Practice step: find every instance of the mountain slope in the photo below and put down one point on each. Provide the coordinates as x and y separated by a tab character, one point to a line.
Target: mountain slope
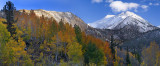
125	19
144	40
68	17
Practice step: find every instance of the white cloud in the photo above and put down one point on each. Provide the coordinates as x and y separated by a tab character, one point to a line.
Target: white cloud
97	1
119	6
155	4
144	7
109	1
150	4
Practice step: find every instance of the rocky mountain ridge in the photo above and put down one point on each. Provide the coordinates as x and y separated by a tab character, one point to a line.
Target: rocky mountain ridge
67	17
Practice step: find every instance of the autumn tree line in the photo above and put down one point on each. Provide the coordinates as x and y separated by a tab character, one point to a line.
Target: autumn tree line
28	40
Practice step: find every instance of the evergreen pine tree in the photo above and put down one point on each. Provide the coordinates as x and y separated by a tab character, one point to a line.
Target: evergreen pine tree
78	34
112	46
9	12
93	54
128	62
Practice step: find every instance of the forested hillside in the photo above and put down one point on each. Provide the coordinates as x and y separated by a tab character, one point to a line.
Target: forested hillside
29	40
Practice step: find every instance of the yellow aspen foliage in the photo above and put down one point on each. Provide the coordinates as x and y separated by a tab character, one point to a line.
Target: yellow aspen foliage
158	59
4	34
143	64
4	38
118	60
92	64
2	20
28	31
75	52
105	62
14	53
150	54
62	63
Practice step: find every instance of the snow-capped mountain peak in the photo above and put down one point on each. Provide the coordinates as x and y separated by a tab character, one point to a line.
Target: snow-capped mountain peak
123	20
130	14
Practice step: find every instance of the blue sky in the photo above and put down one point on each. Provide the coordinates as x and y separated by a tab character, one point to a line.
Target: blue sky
92	10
